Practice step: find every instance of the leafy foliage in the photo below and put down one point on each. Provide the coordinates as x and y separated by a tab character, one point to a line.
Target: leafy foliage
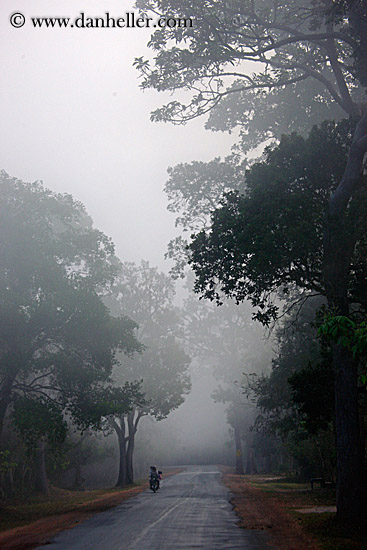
146	295
37	419
57	339
313	394
288	46
269	237
194	190
349	333
296	399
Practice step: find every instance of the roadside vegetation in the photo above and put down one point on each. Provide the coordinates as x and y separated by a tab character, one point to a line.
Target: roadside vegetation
61	501
288	227
81	353
293	515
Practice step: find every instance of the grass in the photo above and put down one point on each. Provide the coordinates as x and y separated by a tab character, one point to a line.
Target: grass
321	526
294	493
59	502
281	486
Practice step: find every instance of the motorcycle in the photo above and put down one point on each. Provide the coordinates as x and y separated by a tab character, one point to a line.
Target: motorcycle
154	481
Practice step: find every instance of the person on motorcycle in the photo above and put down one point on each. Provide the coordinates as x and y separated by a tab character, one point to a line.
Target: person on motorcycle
154	478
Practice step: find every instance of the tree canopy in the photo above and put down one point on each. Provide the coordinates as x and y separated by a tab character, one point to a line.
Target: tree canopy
146	295
285	46
58	342
268	237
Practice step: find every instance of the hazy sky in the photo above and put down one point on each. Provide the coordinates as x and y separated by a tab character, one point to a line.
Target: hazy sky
72	115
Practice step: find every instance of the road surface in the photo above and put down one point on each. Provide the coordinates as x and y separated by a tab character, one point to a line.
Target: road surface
191	510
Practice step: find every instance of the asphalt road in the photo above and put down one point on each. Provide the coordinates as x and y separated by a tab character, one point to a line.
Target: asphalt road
191	510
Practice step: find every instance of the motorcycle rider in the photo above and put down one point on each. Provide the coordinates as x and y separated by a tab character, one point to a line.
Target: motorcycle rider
154	476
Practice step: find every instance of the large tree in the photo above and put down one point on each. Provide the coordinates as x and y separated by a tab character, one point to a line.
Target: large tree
270	238
146	295
58	342
292	43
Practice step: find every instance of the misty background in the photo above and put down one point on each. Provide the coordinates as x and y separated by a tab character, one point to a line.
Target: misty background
73	116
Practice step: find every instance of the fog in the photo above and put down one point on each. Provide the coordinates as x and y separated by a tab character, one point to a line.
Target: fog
199	429
73	116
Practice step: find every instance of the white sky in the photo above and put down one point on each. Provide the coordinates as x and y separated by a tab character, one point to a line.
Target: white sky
72	115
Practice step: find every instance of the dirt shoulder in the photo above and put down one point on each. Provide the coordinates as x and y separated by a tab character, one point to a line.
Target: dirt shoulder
257	510
71	508
295	517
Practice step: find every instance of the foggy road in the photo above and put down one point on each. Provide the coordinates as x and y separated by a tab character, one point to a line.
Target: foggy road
191	510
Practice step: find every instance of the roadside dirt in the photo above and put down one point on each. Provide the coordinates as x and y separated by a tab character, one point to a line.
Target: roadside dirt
41	531
257	510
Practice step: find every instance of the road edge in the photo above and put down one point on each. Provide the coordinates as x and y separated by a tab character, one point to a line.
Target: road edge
39	532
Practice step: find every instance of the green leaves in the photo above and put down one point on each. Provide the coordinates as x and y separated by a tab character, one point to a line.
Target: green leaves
36	419
342	330
5	461
58	341
270	236
292	56
89	408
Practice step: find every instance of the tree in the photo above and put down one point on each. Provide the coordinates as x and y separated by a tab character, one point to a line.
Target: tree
57	339
288	45
40	424
295	400
83	450
270	238
269	235
303	75
146	295
293	43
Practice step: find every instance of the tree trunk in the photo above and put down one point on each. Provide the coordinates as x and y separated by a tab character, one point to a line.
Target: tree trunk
351	501
323	471
250	464
4	403
339	243
268	463
129	459
130	447
5	399
350	491
79	481
40	476
238	444
132	422
350	464
120	431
